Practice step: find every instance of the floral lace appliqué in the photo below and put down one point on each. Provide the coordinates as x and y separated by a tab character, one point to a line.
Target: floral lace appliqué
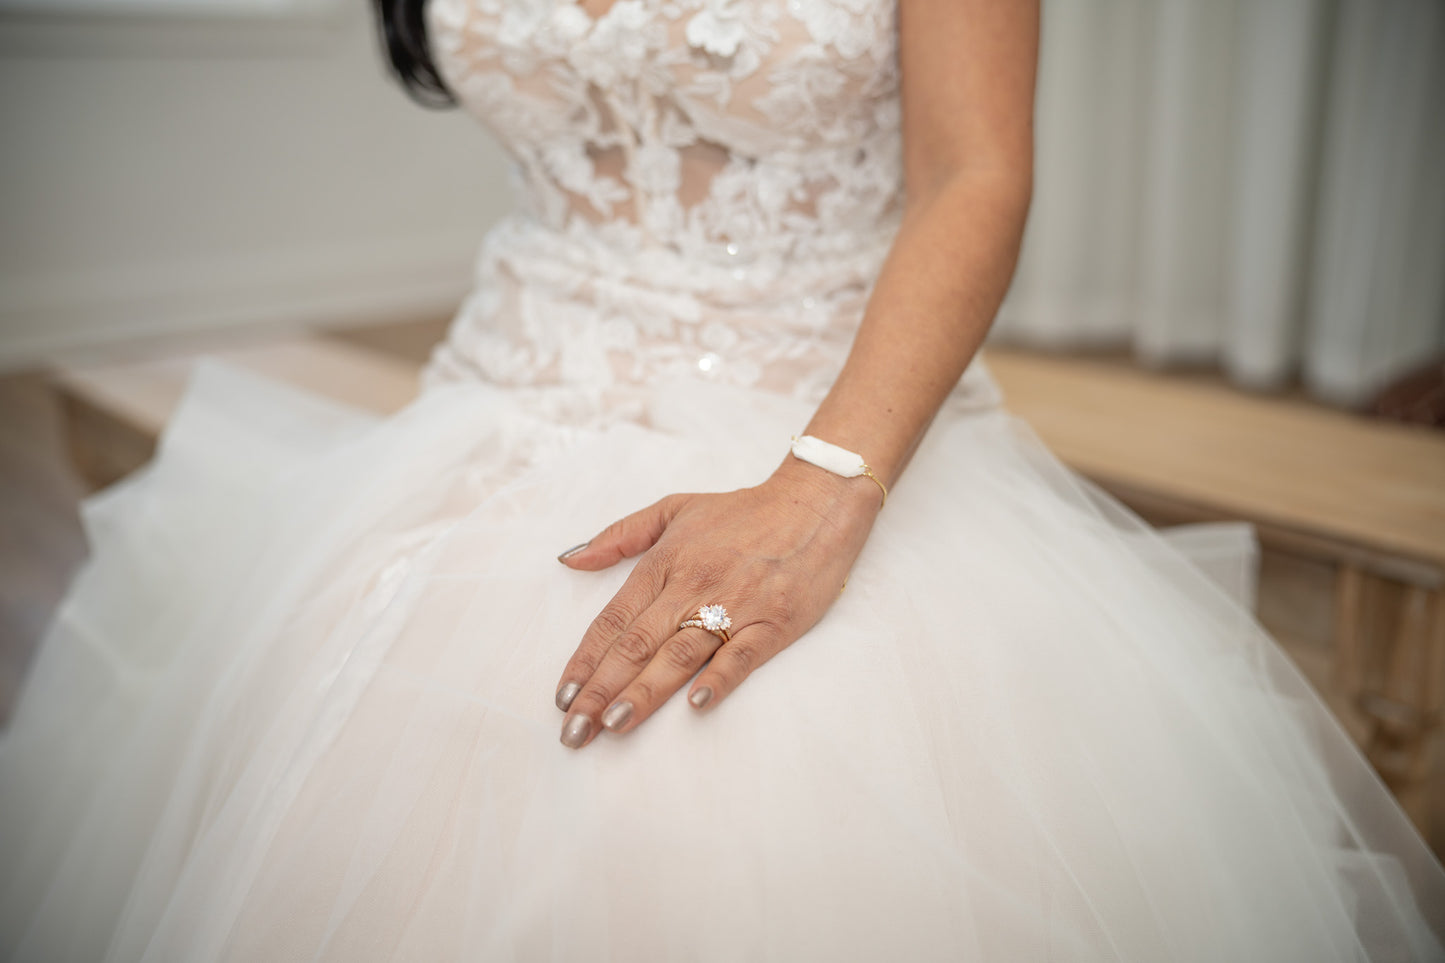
705	187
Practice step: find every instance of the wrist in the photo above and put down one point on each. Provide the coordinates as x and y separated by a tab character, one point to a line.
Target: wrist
830	494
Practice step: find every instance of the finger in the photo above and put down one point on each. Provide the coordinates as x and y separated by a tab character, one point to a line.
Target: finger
675	662
637	594
625	537
749	648
623	662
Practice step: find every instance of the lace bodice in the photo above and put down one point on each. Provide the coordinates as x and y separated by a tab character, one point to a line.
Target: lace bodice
705	187
721	130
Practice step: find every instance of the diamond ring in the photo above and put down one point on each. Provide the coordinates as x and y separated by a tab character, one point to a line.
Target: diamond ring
711	618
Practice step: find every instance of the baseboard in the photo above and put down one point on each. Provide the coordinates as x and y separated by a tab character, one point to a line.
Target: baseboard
47	319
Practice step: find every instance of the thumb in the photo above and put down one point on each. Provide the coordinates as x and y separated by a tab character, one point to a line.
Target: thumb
625	537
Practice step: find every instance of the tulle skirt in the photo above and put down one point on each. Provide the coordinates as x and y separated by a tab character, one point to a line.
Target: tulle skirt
299	705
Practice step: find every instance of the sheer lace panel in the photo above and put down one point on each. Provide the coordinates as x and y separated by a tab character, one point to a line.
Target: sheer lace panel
703	184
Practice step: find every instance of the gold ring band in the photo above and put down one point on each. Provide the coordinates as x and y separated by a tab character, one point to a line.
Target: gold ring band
697	624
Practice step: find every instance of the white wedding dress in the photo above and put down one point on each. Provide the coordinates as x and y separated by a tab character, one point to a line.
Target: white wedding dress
299	704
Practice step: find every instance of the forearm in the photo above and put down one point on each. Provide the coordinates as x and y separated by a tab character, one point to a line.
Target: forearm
935	297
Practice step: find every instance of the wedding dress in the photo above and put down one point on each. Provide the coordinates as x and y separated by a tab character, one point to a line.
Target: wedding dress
298	705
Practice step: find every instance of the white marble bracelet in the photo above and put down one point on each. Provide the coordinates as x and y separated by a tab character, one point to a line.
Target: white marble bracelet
839	461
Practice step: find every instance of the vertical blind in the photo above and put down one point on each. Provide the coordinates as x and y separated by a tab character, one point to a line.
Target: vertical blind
1257	183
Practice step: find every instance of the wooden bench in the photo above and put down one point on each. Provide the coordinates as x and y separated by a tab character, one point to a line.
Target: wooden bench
1366	497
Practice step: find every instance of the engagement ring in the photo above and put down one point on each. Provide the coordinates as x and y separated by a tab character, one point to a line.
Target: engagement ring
711	618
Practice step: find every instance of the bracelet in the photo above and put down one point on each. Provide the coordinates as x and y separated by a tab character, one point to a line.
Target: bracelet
839	461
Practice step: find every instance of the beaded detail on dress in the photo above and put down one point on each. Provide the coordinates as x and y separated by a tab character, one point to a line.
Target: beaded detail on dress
705	186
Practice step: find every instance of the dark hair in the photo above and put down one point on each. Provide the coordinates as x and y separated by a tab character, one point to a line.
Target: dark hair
403	30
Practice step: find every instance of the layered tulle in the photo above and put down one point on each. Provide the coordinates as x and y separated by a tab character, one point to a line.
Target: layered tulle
299	706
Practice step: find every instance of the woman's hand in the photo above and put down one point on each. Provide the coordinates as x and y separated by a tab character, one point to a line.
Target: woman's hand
774	556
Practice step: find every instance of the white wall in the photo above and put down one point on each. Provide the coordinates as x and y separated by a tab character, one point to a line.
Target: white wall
161	176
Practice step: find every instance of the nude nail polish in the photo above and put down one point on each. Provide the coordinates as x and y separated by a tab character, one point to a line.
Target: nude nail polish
566	694
576	731
617	715
701	697
572	551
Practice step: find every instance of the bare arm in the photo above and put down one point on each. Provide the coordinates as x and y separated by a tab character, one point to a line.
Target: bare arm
783	548
968	85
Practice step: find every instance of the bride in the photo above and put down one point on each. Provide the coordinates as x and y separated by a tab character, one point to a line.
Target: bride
300	703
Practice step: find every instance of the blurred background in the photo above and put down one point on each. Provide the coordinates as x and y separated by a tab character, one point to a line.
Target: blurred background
193	165
1238	236
1257	184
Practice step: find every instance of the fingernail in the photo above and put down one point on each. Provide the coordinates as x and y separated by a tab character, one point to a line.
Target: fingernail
576	731
616	717
566	694
700	697
572	551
